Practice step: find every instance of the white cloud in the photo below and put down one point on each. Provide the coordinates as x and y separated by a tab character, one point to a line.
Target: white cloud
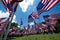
25	4
6	14
31	23
14	19
3	14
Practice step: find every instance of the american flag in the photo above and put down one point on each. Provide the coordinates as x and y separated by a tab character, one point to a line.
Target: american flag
21	22
51	4
41	4
3	20
56	15
46	5
11	5
32	17
7	6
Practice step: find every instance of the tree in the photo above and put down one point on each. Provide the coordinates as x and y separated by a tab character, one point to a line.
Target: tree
14	25
58	26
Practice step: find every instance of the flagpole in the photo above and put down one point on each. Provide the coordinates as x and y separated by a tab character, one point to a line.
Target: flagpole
4	30
8	27
1	37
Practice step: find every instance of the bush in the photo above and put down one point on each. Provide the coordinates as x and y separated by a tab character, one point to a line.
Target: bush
58	26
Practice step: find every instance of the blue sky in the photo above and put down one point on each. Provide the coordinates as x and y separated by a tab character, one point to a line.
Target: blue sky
25	8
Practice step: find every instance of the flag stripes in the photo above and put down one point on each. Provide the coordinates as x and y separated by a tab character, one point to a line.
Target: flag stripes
46	5
43	1
51	4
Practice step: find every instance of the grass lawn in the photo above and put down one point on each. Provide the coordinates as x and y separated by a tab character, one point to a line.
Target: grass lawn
38	37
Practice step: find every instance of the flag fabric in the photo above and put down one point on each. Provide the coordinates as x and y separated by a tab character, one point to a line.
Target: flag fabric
46	17
7	6
32	16
21	22
59	0
46	5
56	15
50	16
51	4
30	19
3	23
11	5
42	4
3	20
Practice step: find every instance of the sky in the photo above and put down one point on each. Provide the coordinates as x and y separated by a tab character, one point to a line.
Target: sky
25	8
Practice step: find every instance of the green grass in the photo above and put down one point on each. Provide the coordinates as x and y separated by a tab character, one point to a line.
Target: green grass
38	37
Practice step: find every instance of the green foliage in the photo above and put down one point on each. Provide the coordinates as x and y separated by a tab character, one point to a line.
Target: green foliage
58	26
13	24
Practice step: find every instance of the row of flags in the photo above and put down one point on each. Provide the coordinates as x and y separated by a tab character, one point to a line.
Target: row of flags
43	6
50	16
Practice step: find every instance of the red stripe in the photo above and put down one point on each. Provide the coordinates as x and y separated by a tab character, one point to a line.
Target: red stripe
7	1
4	3
44	1
48	4
52	6
6	7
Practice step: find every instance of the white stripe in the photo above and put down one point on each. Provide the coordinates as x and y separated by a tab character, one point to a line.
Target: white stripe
52	4
42	1
48	5
45	2
6	1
